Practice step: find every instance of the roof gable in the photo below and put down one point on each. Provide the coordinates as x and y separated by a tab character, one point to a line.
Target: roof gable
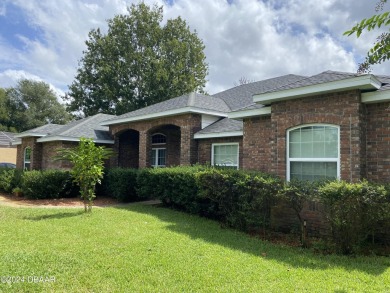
189	103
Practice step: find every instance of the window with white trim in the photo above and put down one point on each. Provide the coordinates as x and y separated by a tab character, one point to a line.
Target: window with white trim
313	152
159	152
224	155
27	158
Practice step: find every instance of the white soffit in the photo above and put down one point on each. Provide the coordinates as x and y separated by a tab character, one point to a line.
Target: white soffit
173	112
218	134
364	82
69	138
250	113
376	97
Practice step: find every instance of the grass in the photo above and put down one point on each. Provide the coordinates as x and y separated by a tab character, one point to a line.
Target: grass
150	249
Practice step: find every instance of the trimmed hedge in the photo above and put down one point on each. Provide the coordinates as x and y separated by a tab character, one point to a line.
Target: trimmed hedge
356	213
10	179
243	199
176	187
120	183
47	184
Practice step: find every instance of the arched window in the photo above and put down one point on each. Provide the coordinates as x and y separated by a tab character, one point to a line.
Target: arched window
313	152
27	158
159	138
159	151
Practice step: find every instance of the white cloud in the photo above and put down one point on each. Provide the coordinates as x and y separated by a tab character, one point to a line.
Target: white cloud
9	78
254	39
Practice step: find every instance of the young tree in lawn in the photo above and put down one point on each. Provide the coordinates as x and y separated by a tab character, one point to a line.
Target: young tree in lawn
380	52
138	62
88	165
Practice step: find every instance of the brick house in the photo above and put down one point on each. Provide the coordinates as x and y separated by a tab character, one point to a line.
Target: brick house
37	146
330	125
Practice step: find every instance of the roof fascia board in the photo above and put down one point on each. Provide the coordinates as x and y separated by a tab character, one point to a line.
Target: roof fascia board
218	134
360	82
73	139
28	134
376	97
173	112
249	113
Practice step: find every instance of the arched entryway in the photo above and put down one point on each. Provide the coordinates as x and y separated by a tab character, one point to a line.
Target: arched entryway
128	150
164	146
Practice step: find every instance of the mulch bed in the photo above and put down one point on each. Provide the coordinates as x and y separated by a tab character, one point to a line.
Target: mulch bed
66	202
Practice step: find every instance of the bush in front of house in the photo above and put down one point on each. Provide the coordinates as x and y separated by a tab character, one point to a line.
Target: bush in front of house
355	212
120	183
47	184
176	187
10	179
243	199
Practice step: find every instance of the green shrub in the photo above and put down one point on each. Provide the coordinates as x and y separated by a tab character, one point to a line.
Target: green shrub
46	184
10	179
176	187
120	183
243	199
354	211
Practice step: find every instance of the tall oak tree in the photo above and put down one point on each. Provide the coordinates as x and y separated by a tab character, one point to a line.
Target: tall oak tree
138	62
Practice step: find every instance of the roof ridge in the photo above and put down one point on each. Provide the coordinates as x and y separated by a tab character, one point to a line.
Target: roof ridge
287	84
86	119
7	135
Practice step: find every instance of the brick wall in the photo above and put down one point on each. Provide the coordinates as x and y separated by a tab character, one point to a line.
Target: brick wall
265	138
258	144
189	124
36	153
204	148
378	142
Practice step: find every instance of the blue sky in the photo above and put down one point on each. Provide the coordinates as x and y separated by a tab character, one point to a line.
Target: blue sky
44	39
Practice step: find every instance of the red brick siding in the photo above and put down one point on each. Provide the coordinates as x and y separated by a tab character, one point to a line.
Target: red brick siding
258	144
342	109
189	124
378	142
204	148
36	153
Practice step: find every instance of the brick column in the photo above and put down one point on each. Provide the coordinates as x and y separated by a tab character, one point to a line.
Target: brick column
144	149
188	146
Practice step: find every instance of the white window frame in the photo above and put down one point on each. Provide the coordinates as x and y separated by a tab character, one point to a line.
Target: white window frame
159	143
155	163
24	158
222	144
314	160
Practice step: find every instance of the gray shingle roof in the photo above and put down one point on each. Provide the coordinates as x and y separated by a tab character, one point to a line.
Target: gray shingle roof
241	96
7	138
385	80
88	127
193	100
324	77
42	130
223	125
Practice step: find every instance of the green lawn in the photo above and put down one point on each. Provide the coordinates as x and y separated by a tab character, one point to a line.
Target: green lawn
150	249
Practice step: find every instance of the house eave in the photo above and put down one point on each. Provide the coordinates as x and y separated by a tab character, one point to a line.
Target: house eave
72	139
250	113
30	134
218	134
376	97
173	112
364	82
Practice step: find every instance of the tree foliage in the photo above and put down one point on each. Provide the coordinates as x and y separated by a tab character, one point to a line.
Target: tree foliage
380	52
28	105
88	164
138	62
